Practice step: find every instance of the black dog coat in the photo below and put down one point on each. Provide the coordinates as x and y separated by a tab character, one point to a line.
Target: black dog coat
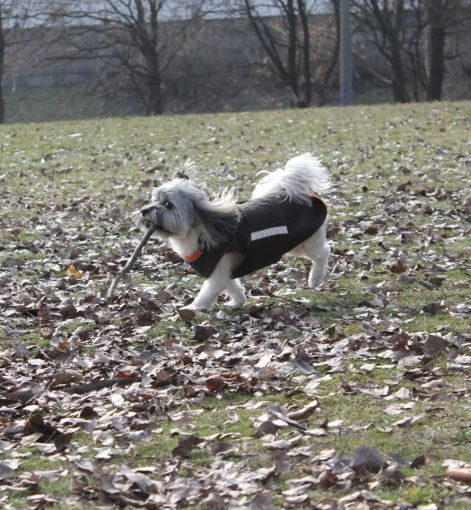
268	228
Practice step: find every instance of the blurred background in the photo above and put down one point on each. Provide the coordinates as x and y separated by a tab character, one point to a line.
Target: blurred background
79	59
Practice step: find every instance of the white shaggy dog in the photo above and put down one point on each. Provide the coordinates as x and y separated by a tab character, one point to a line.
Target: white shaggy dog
224	241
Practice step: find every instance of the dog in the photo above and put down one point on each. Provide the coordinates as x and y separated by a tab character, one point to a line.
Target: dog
223	240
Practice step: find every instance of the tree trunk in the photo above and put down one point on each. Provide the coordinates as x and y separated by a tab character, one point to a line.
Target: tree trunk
154	80
2	107
306	54
292	48
399	88
437	65
389	21
437	60
2	60
333	61
401	95
155	106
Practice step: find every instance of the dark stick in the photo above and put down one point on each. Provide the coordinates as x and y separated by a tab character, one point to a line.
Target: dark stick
81	389
129	263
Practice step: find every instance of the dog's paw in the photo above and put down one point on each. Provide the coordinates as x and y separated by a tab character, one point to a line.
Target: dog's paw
236	303
315	281
314	284
317	278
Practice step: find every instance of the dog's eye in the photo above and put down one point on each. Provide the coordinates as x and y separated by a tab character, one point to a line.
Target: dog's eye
168	205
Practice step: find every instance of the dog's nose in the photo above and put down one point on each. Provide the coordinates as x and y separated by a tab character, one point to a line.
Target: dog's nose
147	209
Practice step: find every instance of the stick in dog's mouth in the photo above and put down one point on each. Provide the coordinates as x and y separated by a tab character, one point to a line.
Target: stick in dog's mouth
130	263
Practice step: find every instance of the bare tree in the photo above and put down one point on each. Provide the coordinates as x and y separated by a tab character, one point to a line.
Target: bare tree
13	14
412	37
128	38
444	18
21	23
284	31
2	60
382	23
429	27
325	52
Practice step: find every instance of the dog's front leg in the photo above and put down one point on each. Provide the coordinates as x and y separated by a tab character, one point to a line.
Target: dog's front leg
208	293
213	286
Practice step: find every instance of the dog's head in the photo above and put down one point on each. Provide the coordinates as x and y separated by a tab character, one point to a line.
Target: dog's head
181	207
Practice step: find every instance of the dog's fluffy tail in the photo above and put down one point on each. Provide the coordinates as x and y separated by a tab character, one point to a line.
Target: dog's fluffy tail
302	176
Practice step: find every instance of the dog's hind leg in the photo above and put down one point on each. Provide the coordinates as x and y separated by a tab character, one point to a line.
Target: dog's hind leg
236	292
317	249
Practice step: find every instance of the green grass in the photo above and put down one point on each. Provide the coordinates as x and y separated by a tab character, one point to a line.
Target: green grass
75	185
34	104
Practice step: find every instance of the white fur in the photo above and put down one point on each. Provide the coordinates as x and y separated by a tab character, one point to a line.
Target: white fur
195	222
301	175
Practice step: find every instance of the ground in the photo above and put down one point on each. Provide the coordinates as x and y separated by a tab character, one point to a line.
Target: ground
355	396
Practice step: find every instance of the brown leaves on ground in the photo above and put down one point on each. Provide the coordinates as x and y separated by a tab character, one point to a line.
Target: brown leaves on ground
284	403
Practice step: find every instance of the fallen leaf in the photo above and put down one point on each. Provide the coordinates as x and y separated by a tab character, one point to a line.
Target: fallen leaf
398	267
434	344
73	273
214	384
266	427
305	412
7	469
327	479
25	392
367	458
186	314
460	474
185	445
434	308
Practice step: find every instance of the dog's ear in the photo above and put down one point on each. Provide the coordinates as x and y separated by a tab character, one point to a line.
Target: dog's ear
217	219
179	174
185	171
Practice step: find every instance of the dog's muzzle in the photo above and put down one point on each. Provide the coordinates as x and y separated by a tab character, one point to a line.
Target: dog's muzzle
149	215
148	209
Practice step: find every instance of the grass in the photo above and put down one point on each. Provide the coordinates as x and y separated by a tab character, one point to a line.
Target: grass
75	184
34	104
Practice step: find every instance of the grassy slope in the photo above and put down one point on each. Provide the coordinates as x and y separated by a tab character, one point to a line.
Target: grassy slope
109	164
61	103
